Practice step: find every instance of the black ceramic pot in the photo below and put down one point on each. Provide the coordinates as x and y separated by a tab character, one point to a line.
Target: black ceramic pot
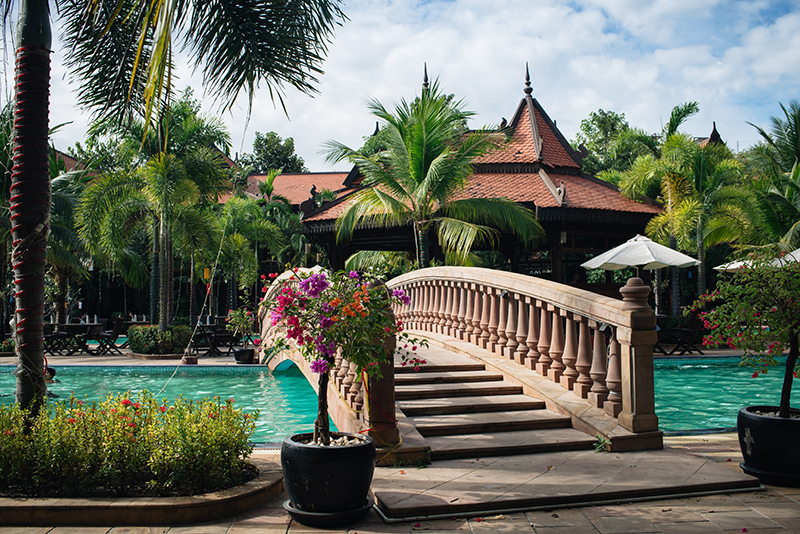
244	355
327	486
769	446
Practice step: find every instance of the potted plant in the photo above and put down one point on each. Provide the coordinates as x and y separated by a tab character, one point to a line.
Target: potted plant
327	476
241	322
757	310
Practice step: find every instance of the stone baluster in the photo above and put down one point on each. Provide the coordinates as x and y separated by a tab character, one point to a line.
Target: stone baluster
441	310
613	405
355	387
522	330
599	392
453	312
427	306
511	326
477	307
410	321
494	312
545	326
570	356
584	382
503	299
436	314
556	347
461	317
348	378
486	312
532	341
447	325
337	368
470	295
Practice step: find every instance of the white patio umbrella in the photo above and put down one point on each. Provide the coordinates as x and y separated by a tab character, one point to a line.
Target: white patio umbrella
640	252
777	262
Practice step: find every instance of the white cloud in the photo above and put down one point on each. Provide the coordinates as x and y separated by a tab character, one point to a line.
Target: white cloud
737	58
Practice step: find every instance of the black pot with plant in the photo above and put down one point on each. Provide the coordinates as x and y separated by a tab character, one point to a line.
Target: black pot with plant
756	309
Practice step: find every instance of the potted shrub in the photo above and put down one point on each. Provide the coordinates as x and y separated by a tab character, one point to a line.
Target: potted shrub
757	310
240	322
327	476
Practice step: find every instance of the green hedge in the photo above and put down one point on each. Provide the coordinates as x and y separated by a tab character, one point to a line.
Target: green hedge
125	446
148	339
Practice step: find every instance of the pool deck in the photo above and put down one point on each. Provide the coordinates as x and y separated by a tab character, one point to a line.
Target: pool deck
462	485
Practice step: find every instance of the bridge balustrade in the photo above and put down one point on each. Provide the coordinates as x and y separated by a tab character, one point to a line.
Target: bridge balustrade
598	347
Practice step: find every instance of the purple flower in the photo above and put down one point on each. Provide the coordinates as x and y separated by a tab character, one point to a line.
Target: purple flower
314	285
319	366
354	275
325	322
400	294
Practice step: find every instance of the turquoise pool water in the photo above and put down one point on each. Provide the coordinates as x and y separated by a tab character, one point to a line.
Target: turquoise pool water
286	401
707	393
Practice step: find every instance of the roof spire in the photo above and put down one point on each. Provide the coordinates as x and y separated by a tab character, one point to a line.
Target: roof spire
528	90
425	84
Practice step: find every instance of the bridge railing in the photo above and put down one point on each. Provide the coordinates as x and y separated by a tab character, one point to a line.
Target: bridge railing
598	347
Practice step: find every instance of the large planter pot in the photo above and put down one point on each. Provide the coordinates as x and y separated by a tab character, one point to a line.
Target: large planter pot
327	486
769	446
244	356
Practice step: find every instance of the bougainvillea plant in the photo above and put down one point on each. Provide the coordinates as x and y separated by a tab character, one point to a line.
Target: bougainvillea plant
756	309
324	313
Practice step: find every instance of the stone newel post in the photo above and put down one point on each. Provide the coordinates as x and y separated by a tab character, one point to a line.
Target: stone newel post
636	358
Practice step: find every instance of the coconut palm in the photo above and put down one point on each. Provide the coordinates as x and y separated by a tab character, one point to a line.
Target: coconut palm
783	142
427	162
122	53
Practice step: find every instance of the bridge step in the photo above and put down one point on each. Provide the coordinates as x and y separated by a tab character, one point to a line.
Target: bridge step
492	403
435	391
480	423
447	378
439	368
464	411
508	443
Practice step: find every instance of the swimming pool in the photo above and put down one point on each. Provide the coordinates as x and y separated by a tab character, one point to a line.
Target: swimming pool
286	401
707	393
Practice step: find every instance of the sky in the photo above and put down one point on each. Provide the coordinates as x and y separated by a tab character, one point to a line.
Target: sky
738	59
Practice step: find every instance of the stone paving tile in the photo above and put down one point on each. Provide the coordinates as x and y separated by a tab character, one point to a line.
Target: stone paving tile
670	514
715	503
25	530
738	520
566	530
205	528
624	525
296	527
265	515
706	527
79	530
138	530
567	517
258	529
455	524
610	511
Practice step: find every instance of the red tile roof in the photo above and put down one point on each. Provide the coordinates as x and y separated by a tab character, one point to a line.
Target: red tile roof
521	146
297	186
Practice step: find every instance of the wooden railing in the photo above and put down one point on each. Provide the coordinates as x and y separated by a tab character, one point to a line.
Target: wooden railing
598	347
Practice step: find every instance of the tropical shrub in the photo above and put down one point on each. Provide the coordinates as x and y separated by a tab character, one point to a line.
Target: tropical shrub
148	339
757	310
125	445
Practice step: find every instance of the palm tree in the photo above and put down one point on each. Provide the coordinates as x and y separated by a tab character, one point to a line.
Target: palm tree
783	143
700	185
428	160
122	53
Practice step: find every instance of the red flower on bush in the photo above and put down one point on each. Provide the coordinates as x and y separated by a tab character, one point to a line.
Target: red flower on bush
126	402
162	409
71	420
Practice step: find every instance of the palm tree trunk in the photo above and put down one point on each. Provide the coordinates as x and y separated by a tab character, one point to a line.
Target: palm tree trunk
60	298
423	247
163	277
701	257
30	198
673	273
154	278
192	295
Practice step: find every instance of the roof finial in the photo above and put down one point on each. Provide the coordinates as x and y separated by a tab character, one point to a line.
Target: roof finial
425	84
528	90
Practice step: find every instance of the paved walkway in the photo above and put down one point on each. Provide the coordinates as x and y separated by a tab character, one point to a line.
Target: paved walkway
770	509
